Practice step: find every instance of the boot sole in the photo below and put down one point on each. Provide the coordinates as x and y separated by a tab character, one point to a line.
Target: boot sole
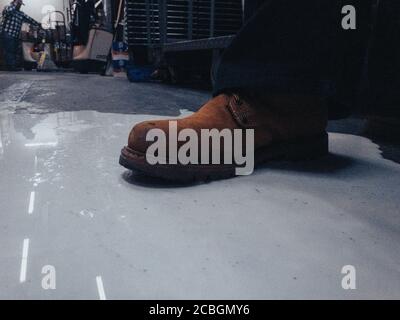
299	150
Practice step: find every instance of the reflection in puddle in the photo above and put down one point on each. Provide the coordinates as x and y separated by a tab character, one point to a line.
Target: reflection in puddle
41	131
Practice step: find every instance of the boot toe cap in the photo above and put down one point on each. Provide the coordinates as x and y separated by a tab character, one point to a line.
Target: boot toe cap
137	137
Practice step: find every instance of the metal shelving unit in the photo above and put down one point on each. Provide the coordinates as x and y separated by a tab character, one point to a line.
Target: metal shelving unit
142	22
185	37
162	22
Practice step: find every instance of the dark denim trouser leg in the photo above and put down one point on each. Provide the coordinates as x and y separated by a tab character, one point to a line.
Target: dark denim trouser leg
384	62
10	45
297	47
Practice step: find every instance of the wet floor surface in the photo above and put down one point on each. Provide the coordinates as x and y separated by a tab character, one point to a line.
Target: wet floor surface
284	232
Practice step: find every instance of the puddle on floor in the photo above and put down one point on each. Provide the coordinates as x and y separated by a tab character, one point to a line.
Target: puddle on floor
243	238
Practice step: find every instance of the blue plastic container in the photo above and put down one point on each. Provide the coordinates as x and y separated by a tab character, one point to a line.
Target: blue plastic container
139	73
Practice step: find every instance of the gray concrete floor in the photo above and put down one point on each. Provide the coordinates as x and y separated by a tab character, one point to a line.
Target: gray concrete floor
284	232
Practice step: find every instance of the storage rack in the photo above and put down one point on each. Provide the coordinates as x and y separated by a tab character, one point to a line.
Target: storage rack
162	22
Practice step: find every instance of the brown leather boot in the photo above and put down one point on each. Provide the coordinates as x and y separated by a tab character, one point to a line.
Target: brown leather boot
285	127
